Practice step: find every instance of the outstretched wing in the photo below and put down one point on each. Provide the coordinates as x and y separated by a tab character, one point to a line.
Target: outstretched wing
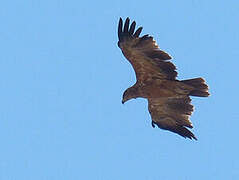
148	61
172	114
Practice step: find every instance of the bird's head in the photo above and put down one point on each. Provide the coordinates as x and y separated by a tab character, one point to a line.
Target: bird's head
130	93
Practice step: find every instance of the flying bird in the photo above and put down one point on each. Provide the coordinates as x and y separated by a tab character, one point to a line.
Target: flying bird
169	103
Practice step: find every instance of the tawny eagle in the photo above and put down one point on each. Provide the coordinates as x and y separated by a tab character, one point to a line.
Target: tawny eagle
168	98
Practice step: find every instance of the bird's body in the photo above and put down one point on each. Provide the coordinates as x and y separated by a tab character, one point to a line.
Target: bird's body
158	88
168	98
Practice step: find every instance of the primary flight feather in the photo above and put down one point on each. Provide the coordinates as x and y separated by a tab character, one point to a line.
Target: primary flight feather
168	98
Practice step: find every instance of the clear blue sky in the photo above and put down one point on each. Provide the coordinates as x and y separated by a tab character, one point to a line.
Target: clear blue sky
62	77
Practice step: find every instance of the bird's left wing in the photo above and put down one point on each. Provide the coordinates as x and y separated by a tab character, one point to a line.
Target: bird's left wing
148	61
172	114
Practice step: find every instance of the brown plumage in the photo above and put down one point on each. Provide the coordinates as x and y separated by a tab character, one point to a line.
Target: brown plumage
168	98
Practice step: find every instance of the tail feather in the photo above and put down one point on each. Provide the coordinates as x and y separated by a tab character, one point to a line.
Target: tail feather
201	88
199	93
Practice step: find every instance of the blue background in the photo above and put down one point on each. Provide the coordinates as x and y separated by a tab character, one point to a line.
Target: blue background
62	77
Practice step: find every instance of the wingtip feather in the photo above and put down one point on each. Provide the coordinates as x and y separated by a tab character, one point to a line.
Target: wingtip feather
138	31
126	25
120	25
132	28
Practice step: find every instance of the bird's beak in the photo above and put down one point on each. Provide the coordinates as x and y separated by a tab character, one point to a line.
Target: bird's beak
122	101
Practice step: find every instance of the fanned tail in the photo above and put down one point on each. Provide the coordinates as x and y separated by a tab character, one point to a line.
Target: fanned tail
201	88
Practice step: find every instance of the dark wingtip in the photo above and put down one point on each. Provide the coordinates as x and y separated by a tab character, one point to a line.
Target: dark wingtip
195	138
192	137
127	30
132	28
120	26
138	31
189	134
126	25
180	130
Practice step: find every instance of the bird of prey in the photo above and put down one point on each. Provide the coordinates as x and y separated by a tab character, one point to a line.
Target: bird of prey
169	103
